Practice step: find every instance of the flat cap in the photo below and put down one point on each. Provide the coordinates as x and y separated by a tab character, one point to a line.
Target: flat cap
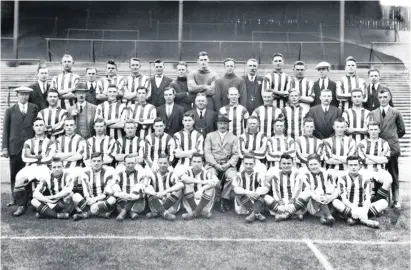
323	65
23	89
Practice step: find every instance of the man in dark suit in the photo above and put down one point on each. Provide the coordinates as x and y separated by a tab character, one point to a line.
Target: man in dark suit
204	118
253	85
171	113
84	112
392	128
91	85
372	88
324	116
17	128
324	83
39	94
158	83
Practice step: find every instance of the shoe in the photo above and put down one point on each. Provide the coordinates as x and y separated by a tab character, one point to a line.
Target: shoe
227	205
396	205
188	216
260	217
222	207
250	218
80	216
372	223
151	215
300	217
330	221
38	215
281	217
206	215
122	215
12	203
351	221
63	215
168	216
106	215
133	215
323	220
20	211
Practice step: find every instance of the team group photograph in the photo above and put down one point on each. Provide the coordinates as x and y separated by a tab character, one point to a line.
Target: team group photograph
219	144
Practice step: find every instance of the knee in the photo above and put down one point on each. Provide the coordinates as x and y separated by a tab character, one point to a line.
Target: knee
209	192
94	209
77	198
36	203
111	200
268	199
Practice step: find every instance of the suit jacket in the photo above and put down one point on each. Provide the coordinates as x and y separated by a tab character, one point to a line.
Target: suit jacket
37	97
372	102
157	93
317	92
18	128
210	118
174	123
392	128
220	152
90	110
253	89
324	121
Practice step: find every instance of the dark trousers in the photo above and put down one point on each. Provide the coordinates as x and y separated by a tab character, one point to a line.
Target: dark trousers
16	164
392	167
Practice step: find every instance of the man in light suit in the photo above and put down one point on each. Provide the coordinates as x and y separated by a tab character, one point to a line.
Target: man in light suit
372	88
204	118
324	116
171	113
324	82
158	83
39	94
392	128
17	128
221	155
84	112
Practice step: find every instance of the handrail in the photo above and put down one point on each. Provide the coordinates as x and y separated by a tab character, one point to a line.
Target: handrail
21	60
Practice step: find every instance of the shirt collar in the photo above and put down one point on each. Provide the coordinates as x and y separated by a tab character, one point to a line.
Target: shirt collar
325	107
385	108
22	105
203	110
251	78
222	134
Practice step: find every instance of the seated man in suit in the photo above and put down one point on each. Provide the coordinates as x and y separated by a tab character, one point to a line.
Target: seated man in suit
158	83
84	112
324	116
205	119
372	89
40	88
53	116
171	113
324	82
221	155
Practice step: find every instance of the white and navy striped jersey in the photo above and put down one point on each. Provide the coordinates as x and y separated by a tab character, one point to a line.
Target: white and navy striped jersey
266	114
278	145
354	190
36	146
104	82
339	146
356	119
305	88
132	84
105	145
318	182
126	181
95	182
65	80
294	117
345	86
54	184
252	143
156	145
112	111
54	119
285	186
238	115
378	148
161	182
75	143
146	112
133	145
202	175
306	145
279	82
249	182
187	141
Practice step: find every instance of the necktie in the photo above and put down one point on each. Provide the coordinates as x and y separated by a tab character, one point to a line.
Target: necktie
23	110
81	109
91	86
322	84
44	87
325	110
201	114
383	113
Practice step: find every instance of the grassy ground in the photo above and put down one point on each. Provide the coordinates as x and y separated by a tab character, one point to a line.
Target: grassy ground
223	242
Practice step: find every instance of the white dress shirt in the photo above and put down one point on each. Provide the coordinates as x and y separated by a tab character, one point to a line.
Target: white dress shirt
222	135
251	78
23	107
325	108
325	82
169	109
199	111
158	80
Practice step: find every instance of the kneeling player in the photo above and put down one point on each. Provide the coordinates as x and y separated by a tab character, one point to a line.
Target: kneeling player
59	185
355	197
163	184
286	184
319	187
247	199
199	189
95	200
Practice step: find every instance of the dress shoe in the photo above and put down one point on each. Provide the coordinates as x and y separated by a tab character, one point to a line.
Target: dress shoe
250	218
20	211
188	216
122	215
260	217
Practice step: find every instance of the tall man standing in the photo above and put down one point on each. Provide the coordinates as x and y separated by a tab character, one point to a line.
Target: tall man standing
372	88
392	128
253	86
203	80
135	81
17	128
66	82
111	78
324	82
40	88
229	80
302	85
171	113
158	83
183	98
